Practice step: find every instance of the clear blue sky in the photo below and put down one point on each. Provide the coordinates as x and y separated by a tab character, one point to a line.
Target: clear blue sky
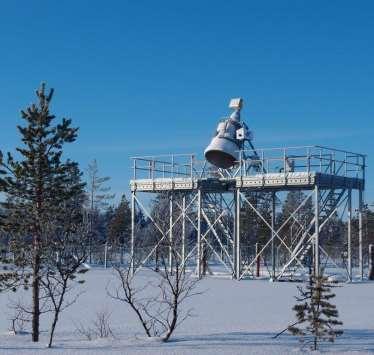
153	77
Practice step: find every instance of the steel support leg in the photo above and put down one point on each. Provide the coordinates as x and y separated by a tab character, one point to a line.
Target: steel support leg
349	236
237	260
258	260
233	245
371	262
183	253
198	259
360	230
171	232
316	232
132	232
273	197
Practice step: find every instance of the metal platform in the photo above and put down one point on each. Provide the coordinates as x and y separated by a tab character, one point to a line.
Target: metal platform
276	168
278	182
207	193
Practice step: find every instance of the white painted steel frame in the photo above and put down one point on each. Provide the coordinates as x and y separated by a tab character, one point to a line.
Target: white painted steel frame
187	177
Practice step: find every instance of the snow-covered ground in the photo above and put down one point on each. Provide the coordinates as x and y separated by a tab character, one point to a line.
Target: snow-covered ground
230	318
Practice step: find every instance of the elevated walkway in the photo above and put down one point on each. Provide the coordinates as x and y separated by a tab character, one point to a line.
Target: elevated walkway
270	169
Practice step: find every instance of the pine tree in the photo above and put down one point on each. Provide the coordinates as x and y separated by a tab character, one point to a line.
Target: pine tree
37	189
316	313
98	197
66	253
120	225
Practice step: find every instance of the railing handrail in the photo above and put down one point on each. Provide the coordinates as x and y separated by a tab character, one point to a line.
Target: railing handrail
341	151
325	157
306	147
162	156
147	157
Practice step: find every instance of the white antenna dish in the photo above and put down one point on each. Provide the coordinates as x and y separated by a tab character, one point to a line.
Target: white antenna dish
223	150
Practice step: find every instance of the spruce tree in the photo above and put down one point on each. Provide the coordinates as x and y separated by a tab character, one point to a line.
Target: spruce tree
316	317
119	227
38	187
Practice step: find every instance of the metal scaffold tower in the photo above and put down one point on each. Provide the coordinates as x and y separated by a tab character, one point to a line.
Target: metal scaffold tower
210	200
209	208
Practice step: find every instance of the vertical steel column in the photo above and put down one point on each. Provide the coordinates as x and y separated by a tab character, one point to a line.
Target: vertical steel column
237	235
233	245
316	232
105	255
171	232
349	235
371	262
360	229
132	232
183	229
273	196
198	259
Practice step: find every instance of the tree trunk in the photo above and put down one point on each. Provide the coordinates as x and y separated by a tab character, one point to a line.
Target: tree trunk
55	319
156	259
35	297
122	246
174	320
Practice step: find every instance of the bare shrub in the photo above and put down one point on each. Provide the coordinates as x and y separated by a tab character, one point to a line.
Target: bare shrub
100	327
101	324
22	313
157	304
19	319
84	331
61	275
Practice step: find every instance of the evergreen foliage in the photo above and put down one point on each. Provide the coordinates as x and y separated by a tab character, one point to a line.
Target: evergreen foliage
40	190
119	227
253	228
316	317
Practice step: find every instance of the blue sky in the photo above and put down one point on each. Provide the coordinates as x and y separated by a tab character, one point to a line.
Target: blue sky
150	77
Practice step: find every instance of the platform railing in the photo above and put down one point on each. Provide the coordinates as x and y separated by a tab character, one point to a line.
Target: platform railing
303	159
268	160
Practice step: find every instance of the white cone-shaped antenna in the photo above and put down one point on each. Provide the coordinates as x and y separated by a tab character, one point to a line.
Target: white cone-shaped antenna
223	150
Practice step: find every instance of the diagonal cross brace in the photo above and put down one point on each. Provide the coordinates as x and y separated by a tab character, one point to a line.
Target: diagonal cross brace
275	233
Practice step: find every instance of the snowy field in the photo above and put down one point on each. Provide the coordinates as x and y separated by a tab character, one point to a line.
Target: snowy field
230	318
